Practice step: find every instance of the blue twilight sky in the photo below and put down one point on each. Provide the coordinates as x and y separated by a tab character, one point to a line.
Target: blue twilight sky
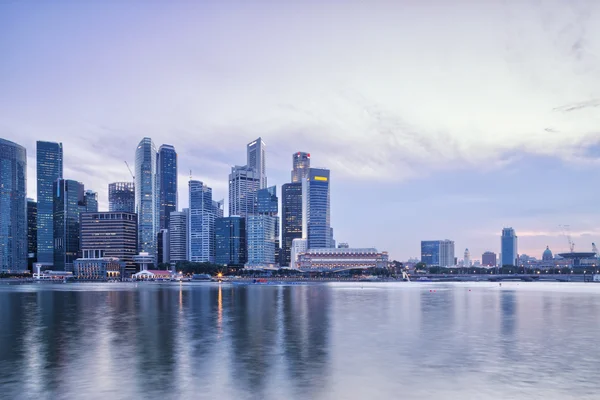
438	119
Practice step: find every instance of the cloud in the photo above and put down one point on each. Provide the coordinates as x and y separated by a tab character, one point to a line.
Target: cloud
578	106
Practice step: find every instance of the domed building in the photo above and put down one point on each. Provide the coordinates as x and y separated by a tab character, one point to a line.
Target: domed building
547	255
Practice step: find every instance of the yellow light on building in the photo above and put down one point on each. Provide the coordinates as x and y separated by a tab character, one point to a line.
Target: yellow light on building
321	178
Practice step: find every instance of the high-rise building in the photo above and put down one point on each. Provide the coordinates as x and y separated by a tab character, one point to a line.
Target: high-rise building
218	208
178	236
508	244
243	183
31	233
467	259
146	196
201	223
167	179
69	203
13	206
438	253
49	159
316	208
488	259
91	201
256	159
121	196
163	247
301	164
230	241
262	229
110	234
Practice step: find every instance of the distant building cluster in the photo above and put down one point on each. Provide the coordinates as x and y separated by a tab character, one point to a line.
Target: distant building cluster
63	229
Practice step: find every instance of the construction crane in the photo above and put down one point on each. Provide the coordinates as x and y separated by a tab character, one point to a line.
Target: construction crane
126	163
566	230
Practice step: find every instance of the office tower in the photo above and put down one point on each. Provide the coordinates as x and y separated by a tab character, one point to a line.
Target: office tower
178	236
91	201
167	179
230	241
243	183
467	259
508	244
438	253
331	239
256	159
13	206
162	245
49	159
488	259
218	208
31	233
300	165
146	196
262	229
316	209
69	203
121	197
202	223
110	234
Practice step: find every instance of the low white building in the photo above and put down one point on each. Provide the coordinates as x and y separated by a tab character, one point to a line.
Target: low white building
340	259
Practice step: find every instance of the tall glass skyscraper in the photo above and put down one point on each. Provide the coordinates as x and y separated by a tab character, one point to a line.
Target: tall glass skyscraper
91	201
316	208
262	229
291	218
121	196
230	241
508	244
13	206
178	236
31	233
146	196
438	253
69	203
167	183
257	160
202	223
243	183
301	164
49	157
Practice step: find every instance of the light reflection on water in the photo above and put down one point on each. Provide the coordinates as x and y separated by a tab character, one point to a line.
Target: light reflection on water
334	341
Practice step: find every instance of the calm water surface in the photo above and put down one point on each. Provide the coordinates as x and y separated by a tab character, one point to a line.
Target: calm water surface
322	341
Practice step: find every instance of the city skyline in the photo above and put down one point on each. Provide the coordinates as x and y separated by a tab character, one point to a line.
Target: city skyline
513	138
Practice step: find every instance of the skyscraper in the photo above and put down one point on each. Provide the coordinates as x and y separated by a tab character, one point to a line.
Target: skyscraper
91	201
437	253
69	203
467	259
230	241
146	196
110	234
31	233
300	166
316	208
256	159
49	159
262	229
508	244
218	208
488	259
13	206
201	223
178	236
291	218
167	178
121	196
163	247
243	183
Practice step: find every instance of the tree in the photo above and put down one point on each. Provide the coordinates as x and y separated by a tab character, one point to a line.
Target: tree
421	266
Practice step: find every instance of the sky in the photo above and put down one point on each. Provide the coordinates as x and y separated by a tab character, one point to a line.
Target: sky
438	119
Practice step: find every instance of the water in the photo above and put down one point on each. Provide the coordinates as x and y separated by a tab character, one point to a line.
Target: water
322	341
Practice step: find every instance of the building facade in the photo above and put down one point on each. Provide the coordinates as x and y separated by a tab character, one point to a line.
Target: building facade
340	259
49	168
298	247
178	236
163	247
13	207
291	218
243	184
488	259
69	203
260	240
300	166
230	241
98	269
257	160
31	233
508	245
121	196
146	196
316	208
438	253
167	179
91	201
110	234
201	223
